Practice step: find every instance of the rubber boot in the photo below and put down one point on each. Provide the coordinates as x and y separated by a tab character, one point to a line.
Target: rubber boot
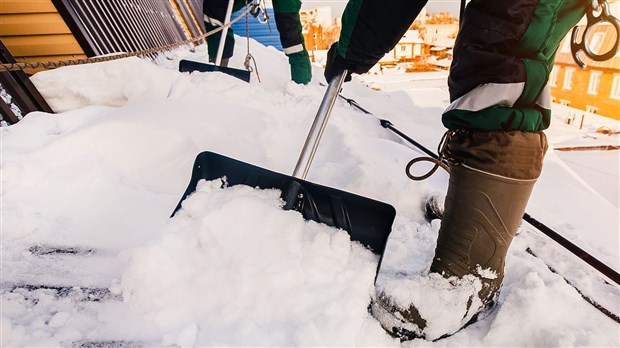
491	178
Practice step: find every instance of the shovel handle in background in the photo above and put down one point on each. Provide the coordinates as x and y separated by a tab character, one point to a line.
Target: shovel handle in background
318	126
220	49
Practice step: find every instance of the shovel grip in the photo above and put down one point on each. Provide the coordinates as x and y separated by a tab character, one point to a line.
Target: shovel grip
318	126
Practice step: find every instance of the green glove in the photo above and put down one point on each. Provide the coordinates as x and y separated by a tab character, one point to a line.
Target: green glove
301	70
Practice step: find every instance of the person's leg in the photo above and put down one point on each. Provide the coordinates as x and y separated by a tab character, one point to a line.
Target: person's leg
491	177
502	59
494	165
214	16
492	174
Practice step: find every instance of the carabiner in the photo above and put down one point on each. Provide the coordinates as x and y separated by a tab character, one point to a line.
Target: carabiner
259	11
592	20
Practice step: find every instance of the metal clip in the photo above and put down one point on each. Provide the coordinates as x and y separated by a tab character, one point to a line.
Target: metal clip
259	11
592	20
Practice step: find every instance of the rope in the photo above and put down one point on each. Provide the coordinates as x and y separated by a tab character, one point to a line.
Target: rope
114	56
544	229
248	57
439	161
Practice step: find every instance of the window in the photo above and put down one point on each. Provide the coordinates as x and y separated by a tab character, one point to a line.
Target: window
568	78
591	109
615	87
417	50
595	80
596	42
564	102
553	78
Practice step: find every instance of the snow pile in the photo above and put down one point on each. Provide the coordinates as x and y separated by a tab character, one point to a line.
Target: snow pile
234	269
111	84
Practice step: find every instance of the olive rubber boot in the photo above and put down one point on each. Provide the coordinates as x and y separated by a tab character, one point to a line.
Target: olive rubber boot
491	178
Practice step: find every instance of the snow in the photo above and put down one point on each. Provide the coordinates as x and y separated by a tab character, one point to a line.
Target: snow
312	271
442	303
105	172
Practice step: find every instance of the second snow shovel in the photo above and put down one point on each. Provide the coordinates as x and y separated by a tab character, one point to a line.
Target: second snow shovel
366	220
190	66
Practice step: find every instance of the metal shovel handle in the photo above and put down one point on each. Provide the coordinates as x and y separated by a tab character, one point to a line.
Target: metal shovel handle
220	48
318	126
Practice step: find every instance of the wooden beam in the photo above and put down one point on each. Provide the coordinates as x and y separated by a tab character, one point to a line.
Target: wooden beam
32	24
42	45
26	6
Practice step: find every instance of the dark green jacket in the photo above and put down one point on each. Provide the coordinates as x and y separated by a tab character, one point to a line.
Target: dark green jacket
503	55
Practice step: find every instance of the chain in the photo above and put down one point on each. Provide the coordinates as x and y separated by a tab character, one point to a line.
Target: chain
114	56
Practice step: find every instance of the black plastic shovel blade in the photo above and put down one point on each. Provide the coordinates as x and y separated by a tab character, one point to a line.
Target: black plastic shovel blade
366	220
191	66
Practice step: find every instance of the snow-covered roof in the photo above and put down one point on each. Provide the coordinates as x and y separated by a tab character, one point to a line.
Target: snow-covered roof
445	42
91	257
411	37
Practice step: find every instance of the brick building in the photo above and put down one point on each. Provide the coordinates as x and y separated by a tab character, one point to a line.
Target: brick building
319	30
596	89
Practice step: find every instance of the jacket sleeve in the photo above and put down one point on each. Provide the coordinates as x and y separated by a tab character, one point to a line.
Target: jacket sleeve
289	25
371	28
503	56
292	39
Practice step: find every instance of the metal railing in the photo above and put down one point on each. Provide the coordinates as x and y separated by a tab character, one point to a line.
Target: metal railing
112	26
18	96
105	30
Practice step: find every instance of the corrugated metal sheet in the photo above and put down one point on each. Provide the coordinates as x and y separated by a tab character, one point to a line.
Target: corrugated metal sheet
78	28
104	27
261	32
56	30
191	12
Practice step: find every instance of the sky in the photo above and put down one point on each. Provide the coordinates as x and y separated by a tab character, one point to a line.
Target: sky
100	178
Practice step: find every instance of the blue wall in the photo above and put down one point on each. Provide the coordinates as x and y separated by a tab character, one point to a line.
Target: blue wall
259	31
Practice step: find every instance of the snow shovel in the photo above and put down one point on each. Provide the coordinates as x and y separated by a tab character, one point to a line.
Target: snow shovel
190	66
367	221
